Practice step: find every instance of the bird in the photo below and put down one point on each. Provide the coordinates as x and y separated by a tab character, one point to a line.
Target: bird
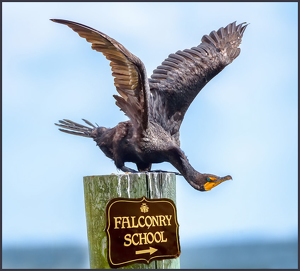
157	105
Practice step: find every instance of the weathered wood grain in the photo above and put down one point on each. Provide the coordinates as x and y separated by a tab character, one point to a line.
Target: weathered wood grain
98	190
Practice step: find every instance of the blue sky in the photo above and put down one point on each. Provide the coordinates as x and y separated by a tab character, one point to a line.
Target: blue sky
243	123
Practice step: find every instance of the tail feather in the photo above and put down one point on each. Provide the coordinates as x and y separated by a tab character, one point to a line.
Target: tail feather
73	133
75	123
74	128
89	123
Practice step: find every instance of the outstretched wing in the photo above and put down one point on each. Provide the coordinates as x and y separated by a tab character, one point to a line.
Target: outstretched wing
178	80
128	70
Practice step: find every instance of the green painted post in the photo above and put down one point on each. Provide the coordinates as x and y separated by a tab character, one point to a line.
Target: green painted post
98	190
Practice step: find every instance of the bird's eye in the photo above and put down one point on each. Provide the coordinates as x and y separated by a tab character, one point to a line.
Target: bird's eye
211	179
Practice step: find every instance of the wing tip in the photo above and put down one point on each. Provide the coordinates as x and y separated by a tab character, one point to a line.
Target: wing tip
56	20
227	38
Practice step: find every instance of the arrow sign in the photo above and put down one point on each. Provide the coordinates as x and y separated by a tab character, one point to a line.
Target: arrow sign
151	250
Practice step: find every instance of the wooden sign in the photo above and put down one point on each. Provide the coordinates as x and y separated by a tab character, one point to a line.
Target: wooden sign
141	230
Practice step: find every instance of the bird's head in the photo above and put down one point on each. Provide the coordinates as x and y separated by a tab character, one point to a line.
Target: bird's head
209	181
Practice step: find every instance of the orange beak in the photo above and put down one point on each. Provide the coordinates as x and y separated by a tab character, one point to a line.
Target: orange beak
215	181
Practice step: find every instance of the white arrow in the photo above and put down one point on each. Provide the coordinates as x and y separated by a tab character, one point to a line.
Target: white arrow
151	250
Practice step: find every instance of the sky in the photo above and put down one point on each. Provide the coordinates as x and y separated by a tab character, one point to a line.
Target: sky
243	123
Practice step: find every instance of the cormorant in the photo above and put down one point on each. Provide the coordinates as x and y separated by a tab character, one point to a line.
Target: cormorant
156	106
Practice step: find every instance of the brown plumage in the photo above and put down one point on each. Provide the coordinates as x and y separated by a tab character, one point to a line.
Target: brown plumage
156	106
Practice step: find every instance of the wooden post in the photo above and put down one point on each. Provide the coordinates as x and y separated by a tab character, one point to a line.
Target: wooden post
98	190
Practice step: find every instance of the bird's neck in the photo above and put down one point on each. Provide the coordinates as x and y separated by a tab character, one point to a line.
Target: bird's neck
181	163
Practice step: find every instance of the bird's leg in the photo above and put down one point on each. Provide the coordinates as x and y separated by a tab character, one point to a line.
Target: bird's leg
146	167
143	167
120	165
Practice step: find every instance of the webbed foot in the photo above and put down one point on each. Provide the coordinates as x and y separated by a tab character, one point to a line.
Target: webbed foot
163	171
128	170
